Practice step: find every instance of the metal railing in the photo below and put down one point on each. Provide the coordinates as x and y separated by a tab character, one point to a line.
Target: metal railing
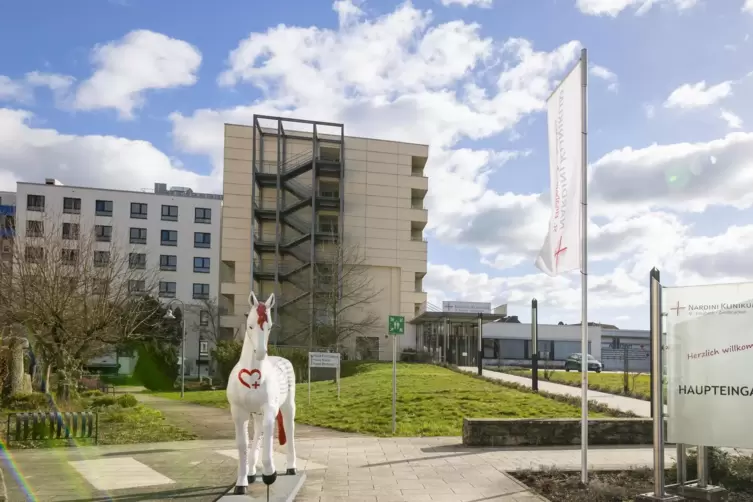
299	189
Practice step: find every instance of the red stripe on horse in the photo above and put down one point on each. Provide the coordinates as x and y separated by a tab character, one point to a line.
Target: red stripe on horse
281	430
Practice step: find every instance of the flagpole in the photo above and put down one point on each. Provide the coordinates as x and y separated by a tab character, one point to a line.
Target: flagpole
584	269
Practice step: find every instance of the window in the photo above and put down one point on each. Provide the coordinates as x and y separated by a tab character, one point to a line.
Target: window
101	258
103	208
138	210
329	189
138	235
71	205
34	254
35	202
167	289
136	286
169	238
103	233
168	262
136	260
169	213
200	291
70	231
203	347
34	228
328	224
201	265
202	215
69	256
202	240
204	318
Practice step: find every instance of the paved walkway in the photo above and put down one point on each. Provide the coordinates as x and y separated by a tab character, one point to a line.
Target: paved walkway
339	466
623	403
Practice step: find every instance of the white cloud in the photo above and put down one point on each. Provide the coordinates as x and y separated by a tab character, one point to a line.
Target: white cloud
613	8
605	74
29	153
141	61
733	121
22	90
467	3
681	176
748	6
698	95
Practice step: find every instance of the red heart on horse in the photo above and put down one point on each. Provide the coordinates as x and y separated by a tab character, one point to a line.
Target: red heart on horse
250	373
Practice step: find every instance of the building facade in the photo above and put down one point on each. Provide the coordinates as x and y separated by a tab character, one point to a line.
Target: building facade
173	232
302	202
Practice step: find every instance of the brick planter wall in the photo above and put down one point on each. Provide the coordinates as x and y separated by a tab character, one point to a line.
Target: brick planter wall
556	431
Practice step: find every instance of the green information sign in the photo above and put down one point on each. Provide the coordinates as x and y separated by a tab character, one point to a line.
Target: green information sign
396	324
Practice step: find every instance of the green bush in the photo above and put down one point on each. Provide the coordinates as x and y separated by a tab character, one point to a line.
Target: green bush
734	472
226	355
92	393
103	401
127	401
408	355
28	402
157	367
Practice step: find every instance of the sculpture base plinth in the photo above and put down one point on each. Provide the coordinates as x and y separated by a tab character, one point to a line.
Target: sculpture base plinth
284	489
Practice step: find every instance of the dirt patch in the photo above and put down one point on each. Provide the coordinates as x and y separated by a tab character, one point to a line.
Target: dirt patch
619	486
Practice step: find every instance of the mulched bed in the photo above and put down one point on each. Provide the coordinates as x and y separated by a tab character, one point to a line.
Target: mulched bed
618	486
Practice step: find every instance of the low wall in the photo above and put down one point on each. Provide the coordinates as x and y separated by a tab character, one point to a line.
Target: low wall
556	431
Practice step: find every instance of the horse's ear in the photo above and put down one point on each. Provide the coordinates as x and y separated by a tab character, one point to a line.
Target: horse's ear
252	301
270	301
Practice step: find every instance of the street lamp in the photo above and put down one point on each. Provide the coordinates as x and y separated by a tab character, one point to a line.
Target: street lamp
170	315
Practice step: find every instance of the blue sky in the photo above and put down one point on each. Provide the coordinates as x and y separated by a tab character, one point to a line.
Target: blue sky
166	120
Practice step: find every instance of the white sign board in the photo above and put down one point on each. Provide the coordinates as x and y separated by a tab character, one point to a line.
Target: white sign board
709	356
467	307
324	359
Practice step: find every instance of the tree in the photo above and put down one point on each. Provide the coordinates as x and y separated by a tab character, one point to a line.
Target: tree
344	291
75	292
207	324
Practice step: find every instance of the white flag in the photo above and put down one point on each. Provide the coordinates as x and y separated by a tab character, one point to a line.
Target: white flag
562	247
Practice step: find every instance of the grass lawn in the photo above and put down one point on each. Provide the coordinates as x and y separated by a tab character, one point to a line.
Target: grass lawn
121	419
639	385
431	401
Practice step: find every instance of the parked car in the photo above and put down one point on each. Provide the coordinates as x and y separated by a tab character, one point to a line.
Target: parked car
573	362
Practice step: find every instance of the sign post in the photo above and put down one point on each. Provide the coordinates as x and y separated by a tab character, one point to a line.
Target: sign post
325	360
535	345
396	325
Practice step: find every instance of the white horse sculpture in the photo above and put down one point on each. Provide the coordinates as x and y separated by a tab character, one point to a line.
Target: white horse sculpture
265	387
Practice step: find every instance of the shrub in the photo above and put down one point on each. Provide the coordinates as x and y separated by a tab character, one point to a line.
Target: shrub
103	401
226	354
127	401
157	367
92	393
28	402
408	355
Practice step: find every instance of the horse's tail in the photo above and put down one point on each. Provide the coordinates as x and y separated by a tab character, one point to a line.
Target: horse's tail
281	429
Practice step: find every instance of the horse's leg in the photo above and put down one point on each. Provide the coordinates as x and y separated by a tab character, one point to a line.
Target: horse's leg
269	474
240	418
288	419
255	447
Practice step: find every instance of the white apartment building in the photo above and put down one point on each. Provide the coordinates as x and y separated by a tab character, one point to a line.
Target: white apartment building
173	231
298	191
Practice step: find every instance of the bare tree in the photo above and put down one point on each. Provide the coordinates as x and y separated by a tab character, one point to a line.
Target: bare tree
75	291
207	323
343	294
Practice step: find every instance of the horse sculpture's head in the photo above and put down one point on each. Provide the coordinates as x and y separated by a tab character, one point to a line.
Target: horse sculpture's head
259	323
